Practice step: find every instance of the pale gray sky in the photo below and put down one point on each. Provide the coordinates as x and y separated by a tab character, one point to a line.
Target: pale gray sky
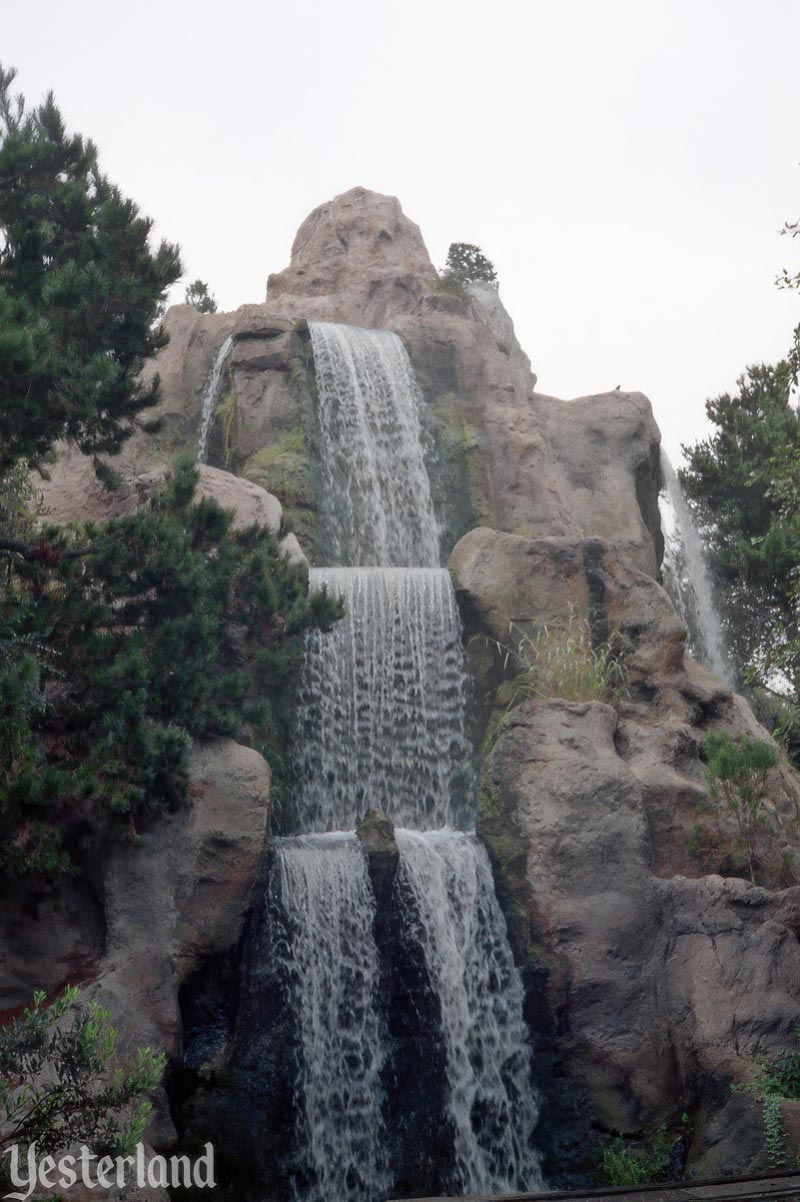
626	163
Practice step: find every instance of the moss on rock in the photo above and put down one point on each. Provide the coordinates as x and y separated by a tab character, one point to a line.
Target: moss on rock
460	486
283	467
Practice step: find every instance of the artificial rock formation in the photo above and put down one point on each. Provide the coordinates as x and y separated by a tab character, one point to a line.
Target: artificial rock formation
140	918
660	972
666	978
507	456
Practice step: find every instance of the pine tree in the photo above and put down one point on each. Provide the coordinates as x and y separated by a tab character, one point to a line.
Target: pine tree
118	645
739	480
81	291
467	264
198	295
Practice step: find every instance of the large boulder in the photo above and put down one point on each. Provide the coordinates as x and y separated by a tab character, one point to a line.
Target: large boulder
74	494
669	974
356	259
181	899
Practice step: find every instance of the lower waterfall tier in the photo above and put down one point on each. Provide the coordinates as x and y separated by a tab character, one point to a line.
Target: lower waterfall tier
396	1029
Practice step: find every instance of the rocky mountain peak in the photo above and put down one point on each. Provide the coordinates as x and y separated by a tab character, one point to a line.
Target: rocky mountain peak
356	259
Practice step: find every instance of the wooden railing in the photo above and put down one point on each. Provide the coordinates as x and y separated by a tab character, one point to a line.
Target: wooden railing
781	1186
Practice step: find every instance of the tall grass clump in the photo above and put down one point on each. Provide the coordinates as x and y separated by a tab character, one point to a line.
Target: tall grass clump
562	660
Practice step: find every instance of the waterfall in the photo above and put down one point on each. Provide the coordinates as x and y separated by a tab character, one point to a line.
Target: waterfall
210	397
376	497
382	703
687	578
321	910
382	723
453	911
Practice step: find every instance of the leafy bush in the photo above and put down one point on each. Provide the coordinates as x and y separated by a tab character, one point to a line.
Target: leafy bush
775	1082
623	1165
120	644
59	1084
452	285
738	774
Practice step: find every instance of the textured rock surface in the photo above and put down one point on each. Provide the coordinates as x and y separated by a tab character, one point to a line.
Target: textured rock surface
378	840
145	916
78	497
181	899
666	979
507	457
356	259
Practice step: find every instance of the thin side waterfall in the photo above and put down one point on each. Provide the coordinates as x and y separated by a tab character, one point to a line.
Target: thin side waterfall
210	393
453	911
321	913
687	578
376	495
382	704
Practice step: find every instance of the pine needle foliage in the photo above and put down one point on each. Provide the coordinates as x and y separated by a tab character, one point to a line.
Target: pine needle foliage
120	645
81	291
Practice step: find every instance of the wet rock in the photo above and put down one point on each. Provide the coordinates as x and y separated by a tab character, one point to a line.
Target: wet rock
376	833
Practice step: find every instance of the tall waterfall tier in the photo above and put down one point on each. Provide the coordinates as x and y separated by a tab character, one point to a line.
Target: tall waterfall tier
376	495
687	578
321	911
452	910
382	704
210	394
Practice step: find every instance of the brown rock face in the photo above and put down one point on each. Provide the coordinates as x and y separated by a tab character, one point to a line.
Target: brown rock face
667	979
152	912
356	259
506	456
182	899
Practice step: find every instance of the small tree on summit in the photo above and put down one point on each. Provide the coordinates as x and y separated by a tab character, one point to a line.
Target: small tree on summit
467	264
199	295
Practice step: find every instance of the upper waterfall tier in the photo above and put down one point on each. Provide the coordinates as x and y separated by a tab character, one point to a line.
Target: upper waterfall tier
376	495
382	704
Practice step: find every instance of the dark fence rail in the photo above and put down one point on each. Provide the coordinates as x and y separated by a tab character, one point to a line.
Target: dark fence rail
782	1186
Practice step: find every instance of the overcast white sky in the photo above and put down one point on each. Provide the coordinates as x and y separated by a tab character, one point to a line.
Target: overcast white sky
625	163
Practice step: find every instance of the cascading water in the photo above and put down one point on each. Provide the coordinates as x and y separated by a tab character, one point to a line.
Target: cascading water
382	703
452	910
321	911
376	495
210	393
382	723
687	578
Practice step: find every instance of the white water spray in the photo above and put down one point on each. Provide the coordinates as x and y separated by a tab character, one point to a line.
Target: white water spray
376	496
210	393
687	578
491	1096
382	704
322	909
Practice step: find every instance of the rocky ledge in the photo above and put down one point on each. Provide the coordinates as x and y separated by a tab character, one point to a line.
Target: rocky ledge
668	977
